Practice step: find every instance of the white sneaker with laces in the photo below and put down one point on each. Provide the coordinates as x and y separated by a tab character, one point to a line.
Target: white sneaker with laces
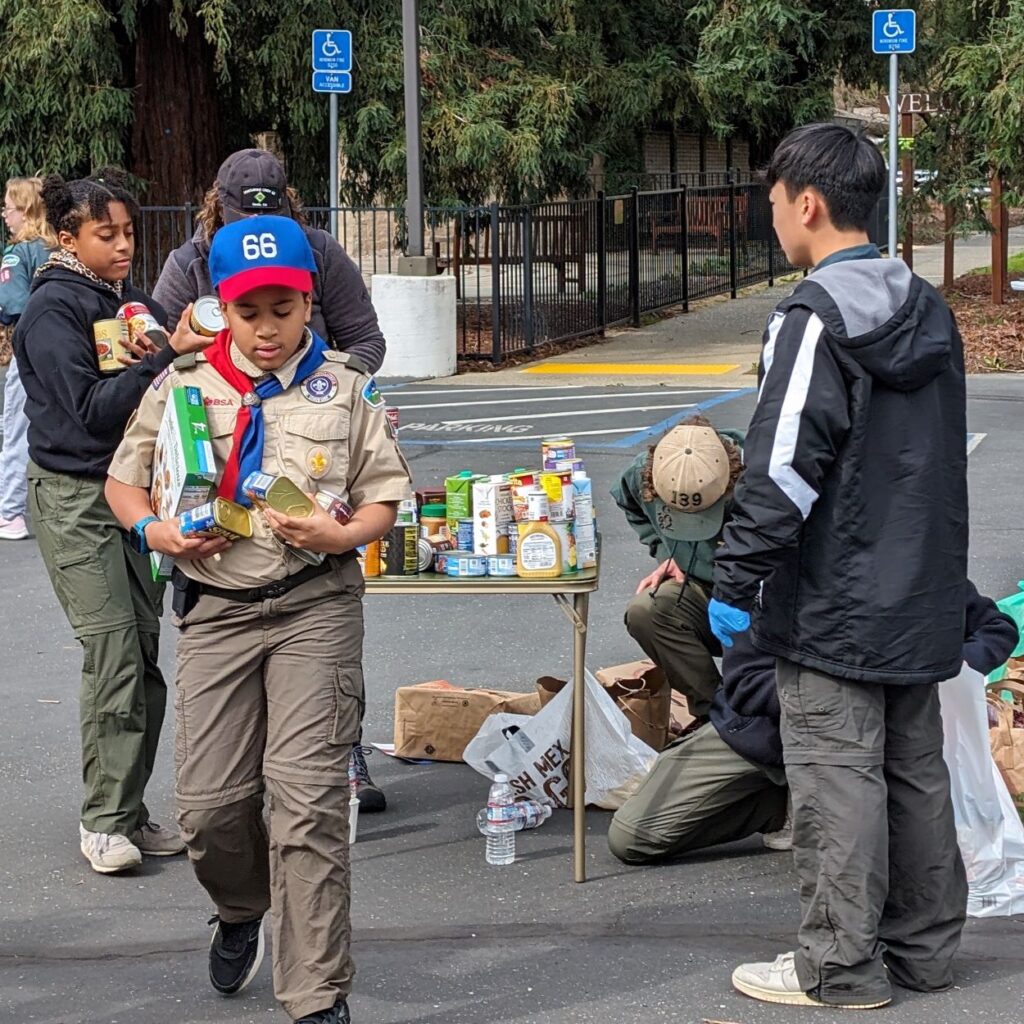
108	854
154	840
782	839
13	529
776	982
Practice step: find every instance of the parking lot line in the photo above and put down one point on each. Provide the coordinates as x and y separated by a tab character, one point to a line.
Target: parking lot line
650	369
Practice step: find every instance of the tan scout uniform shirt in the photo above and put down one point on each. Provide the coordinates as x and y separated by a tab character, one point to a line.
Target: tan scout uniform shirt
327	436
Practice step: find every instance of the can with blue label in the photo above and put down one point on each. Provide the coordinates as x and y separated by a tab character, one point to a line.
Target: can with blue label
464	538
220	517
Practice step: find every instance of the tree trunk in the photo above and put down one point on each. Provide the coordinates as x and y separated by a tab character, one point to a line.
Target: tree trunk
177	139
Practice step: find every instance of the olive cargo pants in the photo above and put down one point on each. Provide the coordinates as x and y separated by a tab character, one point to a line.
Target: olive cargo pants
882	884
270	694
672	629
109	597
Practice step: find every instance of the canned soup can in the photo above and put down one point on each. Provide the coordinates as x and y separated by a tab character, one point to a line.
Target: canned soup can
109	337
206	318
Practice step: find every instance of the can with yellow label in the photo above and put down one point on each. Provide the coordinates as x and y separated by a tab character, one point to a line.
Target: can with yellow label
109	337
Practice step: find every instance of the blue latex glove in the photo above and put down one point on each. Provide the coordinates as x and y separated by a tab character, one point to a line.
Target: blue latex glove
726	621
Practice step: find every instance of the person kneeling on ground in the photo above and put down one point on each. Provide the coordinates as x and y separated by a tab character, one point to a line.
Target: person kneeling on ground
726	780
269	675
675	495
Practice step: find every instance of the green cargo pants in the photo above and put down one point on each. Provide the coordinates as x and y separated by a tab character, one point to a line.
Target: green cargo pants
114	607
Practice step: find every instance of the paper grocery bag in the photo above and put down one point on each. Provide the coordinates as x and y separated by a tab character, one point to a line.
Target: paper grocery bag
640	691
436	720
1007	740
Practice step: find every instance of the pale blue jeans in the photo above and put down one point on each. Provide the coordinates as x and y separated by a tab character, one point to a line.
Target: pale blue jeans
14	455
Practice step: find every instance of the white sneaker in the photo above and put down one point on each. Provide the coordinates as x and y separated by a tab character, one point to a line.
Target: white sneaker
777	983
781	840
13	529
109	854
154	840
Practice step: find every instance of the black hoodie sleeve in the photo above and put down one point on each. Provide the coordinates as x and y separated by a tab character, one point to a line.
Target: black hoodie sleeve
65	364
990	636
748	680
799	424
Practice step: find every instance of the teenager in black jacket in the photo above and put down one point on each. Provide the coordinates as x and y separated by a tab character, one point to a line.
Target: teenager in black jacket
77	416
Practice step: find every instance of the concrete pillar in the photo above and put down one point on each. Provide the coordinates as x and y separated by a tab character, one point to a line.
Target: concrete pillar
417	317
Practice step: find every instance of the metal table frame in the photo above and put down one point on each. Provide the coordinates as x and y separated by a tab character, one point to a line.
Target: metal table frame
578	587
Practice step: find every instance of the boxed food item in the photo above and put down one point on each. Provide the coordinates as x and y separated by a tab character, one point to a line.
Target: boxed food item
492	512
184	472
458	502
437	720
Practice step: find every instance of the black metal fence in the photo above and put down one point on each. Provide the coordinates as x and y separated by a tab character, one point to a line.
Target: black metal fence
534	274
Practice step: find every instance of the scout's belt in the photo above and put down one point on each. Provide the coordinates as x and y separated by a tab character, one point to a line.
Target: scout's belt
267	592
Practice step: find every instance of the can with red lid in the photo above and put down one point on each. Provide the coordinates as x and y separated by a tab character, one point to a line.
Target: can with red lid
141	323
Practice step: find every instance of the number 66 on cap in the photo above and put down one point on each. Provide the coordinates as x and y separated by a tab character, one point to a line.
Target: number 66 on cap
259	251
690	474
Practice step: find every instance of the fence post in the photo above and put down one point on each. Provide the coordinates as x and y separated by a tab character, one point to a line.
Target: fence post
684	225
527	227
634	256
496	334
732	235
602	264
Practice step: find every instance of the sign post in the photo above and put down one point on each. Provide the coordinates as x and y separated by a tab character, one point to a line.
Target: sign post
893	32
332	73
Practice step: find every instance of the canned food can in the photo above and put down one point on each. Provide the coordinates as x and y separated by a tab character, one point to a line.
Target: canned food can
538	505
141	323
109	337
464	537
206	318
441	562
337	508
501	565
278	493
557	449
407	515
399	553
465	563
391	412
220	517
369	558
426	553
513	538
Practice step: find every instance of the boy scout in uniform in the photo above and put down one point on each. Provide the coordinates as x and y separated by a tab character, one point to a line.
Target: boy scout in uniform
269	683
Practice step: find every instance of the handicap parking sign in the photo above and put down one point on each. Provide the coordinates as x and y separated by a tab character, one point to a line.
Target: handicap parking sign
894	31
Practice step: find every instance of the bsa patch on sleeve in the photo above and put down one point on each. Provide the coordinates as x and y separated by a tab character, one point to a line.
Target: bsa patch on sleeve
372	396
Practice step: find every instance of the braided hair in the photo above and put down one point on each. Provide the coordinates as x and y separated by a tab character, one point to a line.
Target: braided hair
69	204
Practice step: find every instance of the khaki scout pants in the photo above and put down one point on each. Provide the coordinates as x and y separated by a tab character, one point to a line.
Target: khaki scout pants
699	793
674	633
114	607
271	693
882	884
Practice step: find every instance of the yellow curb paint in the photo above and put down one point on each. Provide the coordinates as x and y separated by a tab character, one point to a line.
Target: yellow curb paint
651	369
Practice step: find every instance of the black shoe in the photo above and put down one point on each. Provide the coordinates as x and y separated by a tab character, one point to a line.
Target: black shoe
337	1014
236	952
371	797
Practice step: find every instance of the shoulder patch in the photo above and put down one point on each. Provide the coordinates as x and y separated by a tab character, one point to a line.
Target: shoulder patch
161	377
12	259
349	359
185	362
372	396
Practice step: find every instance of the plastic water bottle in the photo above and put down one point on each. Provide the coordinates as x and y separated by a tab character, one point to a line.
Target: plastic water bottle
528	814
501	823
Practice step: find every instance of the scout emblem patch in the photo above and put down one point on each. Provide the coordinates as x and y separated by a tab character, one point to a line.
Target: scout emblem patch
372	396
318	461
320	388
12	259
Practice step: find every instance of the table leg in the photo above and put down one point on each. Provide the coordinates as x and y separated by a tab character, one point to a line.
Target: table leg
581	605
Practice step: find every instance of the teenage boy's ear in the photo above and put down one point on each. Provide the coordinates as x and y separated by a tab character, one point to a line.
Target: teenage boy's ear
308	297
813	208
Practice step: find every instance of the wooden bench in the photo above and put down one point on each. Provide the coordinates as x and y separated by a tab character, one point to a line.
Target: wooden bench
706	217
557	240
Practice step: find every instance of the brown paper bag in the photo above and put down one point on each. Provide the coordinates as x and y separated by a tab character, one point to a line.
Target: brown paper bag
640	691
1007	740
436	720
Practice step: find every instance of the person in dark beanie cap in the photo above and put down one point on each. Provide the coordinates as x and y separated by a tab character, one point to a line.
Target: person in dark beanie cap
252	182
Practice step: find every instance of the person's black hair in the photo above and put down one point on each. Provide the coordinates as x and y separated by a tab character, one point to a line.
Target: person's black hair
69	204
840	163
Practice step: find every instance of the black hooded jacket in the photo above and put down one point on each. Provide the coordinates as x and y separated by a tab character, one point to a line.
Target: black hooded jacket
76	414
745	709
852	509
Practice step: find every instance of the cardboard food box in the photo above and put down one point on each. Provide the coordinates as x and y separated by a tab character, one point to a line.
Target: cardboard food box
437	720
492	512
184	472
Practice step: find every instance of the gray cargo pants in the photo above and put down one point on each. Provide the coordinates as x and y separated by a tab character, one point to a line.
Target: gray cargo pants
882	884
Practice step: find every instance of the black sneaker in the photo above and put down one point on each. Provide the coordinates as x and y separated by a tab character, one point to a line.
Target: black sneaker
236	952
337	1014
371	797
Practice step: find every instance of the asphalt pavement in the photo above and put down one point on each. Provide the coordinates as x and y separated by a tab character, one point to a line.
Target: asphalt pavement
440	936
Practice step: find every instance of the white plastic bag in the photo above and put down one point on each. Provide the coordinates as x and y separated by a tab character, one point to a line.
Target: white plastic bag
534	750
989	830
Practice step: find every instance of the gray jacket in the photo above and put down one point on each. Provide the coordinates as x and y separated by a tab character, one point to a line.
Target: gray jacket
343	314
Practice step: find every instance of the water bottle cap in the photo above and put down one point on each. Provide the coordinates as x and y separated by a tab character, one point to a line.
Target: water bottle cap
501	777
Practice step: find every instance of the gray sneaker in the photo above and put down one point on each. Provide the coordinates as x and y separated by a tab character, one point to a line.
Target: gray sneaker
156	841
108	854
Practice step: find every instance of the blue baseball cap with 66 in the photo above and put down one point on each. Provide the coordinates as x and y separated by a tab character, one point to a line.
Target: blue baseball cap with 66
260	251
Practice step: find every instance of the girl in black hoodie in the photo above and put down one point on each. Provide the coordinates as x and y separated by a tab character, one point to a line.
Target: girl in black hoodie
77	416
